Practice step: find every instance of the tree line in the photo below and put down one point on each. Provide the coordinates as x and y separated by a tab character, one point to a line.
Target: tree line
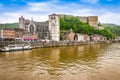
9	25
113	28
74	23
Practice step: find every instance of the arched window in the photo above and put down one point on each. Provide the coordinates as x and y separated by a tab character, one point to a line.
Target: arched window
31	29
54	18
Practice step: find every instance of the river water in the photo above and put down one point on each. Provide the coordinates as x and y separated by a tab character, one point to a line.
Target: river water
85	62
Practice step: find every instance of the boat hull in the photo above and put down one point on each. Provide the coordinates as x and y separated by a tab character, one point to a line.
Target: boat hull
8	49
15	50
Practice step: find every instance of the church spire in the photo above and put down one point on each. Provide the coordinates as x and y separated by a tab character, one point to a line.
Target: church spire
31	18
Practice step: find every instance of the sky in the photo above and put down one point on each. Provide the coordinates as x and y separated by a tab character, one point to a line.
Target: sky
108	11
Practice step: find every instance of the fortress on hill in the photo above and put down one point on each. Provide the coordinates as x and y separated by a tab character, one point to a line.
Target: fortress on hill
91	20
51	28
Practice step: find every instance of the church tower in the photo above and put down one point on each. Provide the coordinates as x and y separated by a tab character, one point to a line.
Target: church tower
54	27
21	22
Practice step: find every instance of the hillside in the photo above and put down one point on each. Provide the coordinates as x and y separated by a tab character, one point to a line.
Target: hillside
70	22
9	25
113	28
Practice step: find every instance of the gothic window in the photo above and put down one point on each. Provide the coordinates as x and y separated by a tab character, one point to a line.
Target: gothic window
39	29
31	29
54	17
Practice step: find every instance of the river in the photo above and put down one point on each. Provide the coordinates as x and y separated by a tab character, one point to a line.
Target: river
85	62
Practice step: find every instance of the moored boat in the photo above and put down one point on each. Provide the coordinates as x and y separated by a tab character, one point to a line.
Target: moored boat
16	47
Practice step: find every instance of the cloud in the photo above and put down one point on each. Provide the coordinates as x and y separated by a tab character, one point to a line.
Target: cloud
11	17
50	6
40	11
110	17
39	6
90	1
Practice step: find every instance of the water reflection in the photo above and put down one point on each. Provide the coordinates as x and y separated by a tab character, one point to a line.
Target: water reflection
82	61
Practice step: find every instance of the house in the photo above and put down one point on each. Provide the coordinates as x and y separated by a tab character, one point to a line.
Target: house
97	37
19	34
7	34
27	36
69	35
82	37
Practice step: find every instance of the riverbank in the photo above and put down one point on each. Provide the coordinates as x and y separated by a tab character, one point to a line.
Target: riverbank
53	44
60	44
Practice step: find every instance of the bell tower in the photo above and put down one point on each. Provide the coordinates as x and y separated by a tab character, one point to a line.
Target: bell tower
21	22
54	27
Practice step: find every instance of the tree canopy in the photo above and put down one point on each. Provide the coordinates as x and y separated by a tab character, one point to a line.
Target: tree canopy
9	25
72	22
113	28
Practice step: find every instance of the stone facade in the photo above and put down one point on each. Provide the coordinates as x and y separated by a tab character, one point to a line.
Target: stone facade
82	37
83	18
91	20
40	28
69	35
51	28
54	26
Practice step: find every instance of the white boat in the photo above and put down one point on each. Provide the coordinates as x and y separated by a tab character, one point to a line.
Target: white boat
16	47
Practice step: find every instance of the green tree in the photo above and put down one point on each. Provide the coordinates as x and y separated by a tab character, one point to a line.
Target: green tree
68	22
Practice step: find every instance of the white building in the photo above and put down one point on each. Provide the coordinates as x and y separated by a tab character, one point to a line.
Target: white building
54	27
82	37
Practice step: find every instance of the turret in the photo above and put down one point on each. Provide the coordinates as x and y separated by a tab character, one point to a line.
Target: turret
21	22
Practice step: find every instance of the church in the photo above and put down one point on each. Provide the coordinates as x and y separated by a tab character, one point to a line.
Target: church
51	29
46	30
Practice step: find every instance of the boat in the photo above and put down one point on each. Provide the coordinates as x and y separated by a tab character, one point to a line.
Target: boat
16	47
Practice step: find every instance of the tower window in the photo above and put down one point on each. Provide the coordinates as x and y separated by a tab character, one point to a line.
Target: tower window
53	18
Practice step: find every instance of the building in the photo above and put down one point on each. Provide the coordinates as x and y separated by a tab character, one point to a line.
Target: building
83	18
27	36
97	37
45	30
54	27
82	37
69	35
91	20
51	28
7	34
18	34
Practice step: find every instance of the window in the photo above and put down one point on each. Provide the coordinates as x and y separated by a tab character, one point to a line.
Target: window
51	18
54	17
31	29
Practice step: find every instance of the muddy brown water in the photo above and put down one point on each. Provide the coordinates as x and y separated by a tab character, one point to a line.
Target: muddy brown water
85	62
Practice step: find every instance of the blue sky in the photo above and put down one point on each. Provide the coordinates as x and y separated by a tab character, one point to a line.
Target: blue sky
107	10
